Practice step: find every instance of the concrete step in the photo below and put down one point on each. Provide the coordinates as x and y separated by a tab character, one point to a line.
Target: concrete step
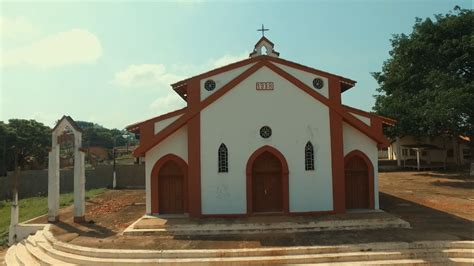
460	253
462	261
10	256
220	253
284	227
405	262
42	248
305	258
42	257
23	256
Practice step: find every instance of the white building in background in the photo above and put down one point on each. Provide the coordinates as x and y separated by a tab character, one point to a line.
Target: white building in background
430	152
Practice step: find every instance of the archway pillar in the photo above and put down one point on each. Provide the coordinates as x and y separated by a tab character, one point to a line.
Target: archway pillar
63	124
53	182
79	181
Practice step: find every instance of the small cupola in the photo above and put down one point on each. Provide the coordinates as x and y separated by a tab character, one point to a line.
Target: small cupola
264	46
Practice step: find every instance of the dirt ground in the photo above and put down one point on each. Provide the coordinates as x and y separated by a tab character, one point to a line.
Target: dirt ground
439	206
448	192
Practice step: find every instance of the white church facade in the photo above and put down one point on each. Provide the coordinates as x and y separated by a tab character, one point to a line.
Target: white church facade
262	135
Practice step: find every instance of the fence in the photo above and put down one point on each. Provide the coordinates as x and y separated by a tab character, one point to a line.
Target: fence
35	182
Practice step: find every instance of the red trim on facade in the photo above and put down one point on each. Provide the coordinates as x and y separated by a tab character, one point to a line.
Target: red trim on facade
371	173
347	83
155	182
231	215
311	213
285	174
194	149
385	120
333	104
181	86
337	148
245	215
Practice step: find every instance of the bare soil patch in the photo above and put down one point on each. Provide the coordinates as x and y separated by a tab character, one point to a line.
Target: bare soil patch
449	192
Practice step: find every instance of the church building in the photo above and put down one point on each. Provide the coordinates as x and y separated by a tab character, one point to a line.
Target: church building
261	136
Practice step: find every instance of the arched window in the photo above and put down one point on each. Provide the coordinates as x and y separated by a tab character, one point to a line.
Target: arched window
223	159
309	156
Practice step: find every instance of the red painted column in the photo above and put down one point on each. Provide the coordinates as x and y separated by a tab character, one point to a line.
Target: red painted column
194	150
337	147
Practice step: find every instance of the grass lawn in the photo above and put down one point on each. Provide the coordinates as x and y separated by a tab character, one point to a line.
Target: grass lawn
33	207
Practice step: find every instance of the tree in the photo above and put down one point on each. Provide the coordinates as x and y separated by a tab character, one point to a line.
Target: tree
428	82
97	135
29	139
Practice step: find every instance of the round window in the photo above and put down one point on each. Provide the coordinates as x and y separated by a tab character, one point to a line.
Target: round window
210	85
265	132
318	83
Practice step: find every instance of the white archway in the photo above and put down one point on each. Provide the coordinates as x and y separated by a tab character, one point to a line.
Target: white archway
66	122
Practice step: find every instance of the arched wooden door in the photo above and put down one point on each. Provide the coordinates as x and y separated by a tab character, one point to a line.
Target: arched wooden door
357	183
267	184
172	188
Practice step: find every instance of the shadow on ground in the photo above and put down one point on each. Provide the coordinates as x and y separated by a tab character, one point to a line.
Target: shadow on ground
446	175
466	184
427	220
86	229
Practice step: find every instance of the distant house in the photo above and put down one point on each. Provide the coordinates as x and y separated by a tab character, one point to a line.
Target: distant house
428	152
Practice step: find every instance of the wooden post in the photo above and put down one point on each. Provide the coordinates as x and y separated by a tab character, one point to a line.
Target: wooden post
418	159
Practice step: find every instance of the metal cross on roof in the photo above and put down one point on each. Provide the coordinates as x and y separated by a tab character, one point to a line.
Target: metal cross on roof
263	30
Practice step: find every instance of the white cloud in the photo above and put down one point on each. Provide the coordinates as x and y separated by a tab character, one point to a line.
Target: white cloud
70	47
228	59
190	70
168	103
145	75
158	76
17	29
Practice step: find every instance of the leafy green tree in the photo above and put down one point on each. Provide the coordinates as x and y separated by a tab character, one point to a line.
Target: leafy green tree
97	135
28	139
427	84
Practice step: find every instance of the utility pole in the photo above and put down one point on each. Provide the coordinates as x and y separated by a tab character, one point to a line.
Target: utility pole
15	212
4	157
114	181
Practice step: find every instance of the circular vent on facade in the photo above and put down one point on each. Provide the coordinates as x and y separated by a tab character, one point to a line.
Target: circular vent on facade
210	85
318	83
265	132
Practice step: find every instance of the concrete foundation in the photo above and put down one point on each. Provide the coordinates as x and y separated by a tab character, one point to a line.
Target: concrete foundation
149	225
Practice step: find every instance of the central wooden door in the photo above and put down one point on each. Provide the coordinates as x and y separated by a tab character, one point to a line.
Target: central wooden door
267	190
171	197
357	183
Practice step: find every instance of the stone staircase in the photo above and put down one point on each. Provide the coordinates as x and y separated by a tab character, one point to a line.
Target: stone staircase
43	248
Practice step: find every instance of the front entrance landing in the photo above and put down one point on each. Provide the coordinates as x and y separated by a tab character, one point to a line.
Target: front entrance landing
166	225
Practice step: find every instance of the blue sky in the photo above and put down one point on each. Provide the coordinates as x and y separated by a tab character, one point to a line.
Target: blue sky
112	63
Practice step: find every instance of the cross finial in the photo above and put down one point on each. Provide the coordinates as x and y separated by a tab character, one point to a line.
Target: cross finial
263	30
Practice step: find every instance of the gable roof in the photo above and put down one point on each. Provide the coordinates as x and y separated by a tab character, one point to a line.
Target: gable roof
134	127
385	120
70	121
181	87
263	61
